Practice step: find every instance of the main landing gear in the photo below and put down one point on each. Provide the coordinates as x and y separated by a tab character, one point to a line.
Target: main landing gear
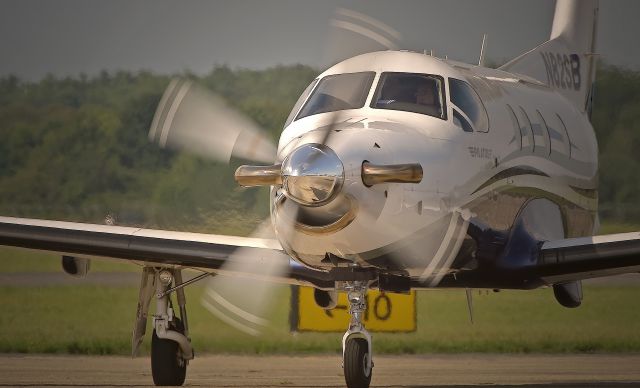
356	343
171	347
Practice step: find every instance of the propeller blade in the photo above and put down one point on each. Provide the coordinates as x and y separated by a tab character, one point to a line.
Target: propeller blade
243	301
193	119
328	130
438	245
352	33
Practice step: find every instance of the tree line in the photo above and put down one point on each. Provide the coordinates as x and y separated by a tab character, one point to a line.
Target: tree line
76	148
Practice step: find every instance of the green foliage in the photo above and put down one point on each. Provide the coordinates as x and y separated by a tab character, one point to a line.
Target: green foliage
267	96
77	149
616	120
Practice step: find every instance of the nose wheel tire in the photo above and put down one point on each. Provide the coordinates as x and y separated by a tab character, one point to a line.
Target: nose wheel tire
167	365
357	374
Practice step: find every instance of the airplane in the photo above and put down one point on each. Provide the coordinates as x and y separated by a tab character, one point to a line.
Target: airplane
395	171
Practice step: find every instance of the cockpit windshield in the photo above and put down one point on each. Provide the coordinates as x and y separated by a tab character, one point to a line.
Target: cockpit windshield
338	92
411	92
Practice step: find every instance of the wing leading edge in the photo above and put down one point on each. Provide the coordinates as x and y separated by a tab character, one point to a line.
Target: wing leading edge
194	250
534	263
589	257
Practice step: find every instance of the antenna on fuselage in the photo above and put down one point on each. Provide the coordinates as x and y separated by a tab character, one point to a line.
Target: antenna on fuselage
469	294
482	48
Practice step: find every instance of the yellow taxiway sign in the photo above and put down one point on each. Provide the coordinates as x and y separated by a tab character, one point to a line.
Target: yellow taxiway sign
387	312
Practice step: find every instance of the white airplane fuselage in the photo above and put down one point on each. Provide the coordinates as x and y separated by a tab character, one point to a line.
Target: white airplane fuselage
536	145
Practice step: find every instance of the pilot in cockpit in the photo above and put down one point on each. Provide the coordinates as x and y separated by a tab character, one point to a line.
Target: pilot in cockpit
426	97
410	92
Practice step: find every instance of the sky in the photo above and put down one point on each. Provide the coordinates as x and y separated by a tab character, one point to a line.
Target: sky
69	37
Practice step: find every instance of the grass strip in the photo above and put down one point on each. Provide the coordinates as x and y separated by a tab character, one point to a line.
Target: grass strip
98	320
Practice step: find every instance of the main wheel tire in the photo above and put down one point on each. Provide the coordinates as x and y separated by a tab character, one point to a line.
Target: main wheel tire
167	367
356	358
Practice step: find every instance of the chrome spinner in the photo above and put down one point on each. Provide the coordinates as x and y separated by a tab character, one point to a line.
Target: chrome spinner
312	175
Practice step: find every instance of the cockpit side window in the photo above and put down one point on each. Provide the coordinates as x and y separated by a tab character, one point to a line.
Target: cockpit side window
338	92
465	99
300	101
411	92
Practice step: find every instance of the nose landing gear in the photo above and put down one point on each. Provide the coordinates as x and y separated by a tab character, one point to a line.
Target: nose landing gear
356	343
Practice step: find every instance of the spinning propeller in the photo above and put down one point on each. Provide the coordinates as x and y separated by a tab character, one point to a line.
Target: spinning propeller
192	119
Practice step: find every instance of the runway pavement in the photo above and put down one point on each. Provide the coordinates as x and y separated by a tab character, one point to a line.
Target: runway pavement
460	370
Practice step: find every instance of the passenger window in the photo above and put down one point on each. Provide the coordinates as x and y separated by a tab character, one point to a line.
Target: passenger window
299	103
465	99
411	92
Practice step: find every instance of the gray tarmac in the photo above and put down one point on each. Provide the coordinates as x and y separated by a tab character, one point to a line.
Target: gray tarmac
460	370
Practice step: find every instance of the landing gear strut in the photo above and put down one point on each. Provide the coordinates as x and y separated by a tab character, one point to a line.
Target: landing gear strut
356	343
170	345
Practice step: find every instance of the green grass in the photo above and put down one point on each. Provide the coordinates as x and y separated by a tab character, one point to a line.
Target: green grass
98	320
618	227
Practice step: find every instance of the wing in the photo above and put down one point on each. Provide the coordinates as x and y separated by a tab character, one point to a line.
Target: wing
195	250
589	257
534	263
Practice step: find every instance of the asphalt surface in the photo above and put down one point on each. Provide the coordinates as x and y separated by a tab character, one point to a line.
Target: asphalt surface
460	370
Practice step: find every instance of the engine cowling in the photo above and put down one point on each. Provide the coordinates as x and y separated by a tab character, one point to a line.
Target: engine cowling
76	266
568	294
